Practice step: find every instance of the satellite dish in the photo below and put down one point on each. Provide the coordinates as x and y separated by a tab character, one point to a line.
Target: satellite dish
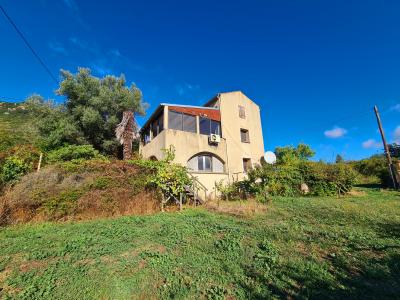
270	157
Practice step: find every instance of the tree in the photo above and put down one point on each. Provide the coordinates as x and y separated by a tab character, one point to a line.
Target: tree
394	150
92	110
290	154
339	159
125	133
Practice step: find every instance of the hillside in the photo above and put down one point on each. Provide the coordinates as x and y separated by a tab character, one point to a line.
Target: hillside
321	248
78	190
15	125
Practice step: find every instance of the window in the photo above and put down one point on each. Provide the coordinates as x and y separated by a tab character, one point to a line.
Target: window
244	135
246	164
181	121
146	136
157	125
242	112
208	126
174	120
205	163
189	123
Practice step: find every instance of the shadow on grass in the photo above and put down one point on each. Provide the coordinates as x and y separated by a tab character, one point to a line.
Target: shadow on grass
369	185
378	279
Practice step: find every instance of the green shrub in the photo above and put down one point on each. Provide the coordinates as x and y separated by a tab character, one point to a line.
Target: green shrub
169	177
63	204
328	179
375	167
73	152
285	179
13	168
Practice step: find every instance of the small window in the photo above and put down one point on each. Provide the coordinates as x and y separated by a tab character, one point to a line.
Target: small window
242	112
246	164
244	136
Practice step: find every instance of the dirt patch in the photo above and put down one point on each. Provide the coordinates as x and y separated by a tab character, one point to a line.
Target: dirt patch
32	264
356	193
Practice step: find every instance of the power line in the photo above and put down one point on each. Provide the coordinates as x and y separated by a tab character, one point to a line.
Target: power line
28	45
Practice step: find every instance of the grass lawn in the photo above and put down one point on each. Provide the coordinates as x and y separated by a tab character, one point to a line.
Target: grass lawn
300	248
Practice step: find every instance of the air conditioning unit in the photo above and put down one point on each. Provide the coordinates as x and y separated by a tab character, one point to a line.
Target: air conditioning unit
214	138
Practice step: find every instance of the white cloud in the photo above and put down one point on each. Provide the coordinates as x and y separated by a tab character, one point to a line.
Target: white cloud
371	143
396	135
186	87
58	48
335	132
396	107
115	52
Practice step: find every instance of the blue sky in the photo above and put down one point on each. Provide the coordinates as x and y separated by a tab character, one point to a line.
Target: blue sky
316	68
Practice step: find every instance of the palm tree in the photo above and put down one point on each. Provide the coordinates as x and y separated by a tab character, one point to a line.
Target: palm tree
126	132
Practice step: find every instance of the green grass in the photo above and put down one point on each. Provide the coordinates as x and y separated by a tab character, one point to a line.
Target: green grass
301	248
15	125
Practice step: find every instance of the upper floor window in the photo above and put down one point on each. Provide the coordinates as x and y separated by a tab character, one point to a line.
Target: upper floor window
244	135
146	136
242	112
205	163
181	121
208	126
158	125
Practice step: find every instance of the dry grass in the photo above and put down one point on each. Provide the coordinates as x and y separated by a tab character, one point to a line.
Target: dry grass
237	208
89	191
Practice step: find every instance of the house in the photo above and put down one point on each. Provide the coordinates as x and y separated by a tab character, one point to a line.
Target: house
221	140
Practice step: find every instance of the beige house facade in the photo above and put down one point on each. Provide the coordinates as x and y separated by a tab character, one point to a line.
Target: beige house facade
219	141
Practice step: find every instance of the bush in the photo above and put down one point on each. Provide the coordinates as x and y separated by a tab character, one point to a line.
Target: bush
16	162
375	167
285	180
170	178
73	152
328	179
13	169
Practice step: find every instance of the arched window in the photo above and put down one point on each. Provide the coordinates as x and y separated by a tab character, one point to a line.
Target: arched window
205	162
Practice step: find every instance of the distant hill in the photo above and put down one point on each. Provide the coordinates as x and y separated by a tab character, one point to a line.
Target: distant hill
16	125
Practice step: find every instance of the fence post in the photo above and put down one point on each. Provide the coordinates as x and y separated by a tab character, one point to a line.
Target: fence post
40	162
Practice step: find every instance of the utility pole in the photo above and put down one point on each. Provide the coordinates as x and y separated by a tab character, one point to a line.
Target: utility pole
392	170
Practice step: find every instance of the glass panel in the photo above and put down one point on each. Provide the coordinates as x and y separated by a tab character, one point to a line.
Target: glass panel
207	163
146	136
200	163
154	128
192	164
189	123
215	127
217	165
204	126
174	120
160	123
